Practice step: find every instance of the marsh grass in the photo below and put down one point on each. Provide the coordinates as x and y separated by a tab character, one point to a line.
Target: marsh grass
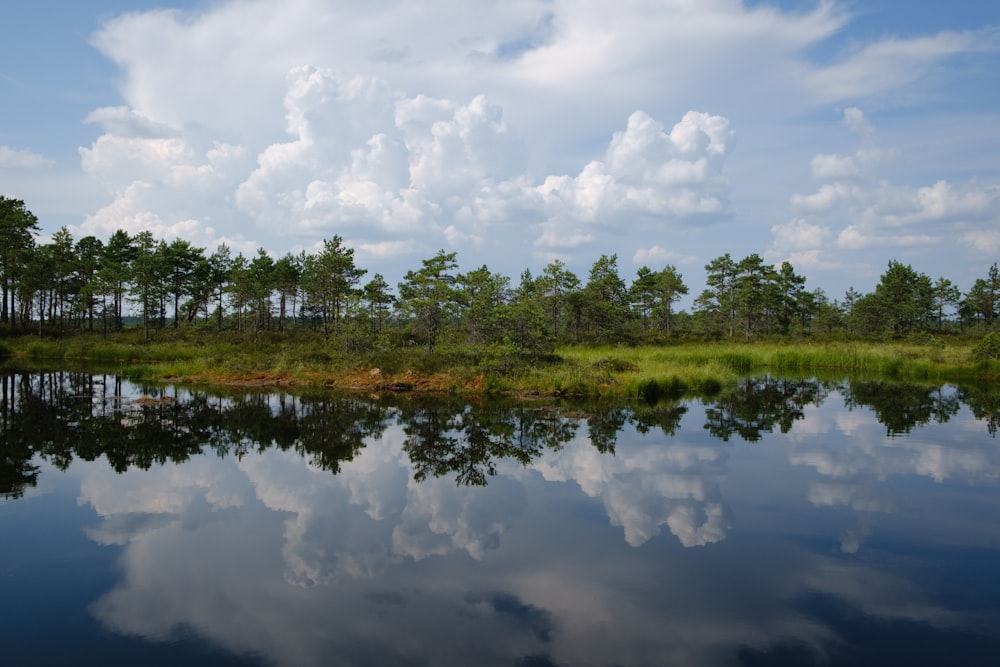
646	372
701	368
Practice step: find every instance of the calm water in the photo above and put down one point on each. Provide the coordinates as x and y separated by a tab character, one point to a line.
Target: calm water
788	523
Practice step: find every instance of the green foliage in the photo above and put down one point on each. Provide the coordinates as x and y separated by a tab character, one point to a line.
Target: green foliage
65	289
988	348
429	296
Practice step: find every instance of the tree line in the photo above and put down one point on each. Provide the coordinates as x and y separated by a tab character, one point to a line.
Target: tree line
74	285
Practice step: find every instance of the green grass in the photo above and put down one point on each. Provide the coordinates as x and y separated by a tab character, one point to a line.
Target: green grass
647	372
703	366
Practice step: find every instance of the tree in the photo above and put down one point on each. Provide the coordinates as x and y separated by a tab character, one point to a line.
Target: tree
605	300
654	293
328	280
219	274
946	295
642	294
147	277
792	298
17	226
828	316
89	251
555	285
668	288
485	297
288	281
981	301
751	294
181	260
429	296
717	304
258	286
530	329
905	298
64	274
36	285
376	294
116	267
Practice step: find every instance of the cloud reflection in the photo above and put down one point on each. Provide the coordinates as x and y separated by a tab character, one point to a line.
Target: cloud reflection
269	555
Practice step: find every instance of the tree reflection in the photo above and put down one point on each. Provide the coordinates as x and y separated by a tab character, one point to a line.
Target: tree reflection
902	407
59	416
468	440
759	405
984	402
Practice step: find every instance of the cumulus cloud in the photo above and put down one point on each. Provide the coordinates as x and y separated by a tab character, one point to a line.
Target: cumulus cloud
436	161
859	208
513	132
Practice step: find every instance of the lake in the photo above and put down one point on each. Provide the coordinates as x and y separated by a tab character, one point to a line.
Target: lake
789	522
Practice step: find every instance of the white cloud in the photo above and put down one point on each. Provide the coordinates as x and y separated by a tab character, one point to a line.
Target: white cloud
657	255
835	167
859	209
510	132
14	158
645	488
124	122
799	235
825	199
985	241
892	64
855	119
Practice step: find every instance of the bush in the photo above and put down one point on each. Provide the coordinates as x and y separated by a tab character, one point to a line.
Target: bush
988	348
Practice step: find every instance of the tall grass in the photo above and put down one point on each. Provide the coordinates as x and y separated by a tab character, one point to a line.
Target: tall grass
705	365
645	371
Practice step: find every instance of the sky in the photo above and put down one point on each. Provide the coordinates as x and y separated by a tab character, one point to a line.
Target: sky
838	135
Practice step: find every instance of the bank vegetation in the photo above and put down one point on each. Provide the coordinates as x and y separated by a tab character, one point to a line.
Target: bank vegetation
168	310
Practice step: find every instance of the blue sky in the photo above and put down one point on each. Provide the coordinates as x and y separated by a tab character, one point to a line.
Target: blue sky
836	135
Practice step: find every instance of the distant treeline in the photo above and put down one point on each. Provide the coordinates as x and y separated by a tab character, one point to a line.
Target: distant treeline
90	285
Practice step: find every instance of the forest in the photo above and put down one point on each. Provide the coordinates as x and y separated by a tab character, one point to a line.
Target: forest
87	285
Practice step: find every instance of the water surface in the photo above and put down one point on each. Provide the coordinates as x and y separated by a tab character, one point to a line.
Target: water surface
787	523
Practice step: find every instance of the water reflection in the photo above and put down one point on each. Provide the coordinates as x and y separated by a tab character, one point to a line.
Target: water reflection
759	405
310	530
64	415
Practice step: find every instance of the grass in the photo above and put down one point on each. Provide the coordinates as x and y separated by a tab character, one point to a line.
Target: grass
701	366
649	372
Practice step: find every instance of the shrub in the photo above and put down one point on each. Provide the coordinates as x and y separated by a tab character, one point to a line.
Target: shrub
988	348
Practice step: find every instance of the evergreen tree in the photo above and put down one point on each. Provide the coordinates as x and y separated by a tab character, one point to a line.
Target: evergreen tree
429	296
605	300
328	280
17	228
485	301
946	295
376	294
555	286
905	299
